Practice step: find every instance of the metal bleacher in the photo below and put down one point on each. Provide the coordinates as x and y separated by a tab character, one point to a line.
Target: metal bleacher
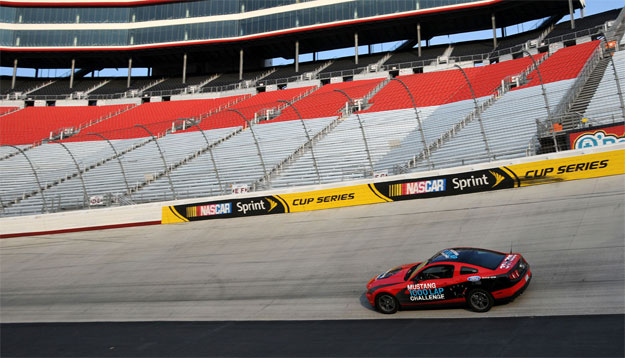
605	106
394	138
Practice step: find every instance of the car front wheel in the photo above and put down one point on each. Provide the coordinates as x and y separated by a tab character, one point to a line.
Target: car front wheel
480	300
386	303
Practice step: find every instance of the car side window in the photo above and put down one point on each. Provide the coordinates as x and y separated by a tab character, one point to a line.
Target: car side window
437	272
467	270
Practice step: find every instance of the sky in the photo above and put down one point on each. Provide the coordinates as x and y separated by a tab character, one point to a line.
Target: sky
592	7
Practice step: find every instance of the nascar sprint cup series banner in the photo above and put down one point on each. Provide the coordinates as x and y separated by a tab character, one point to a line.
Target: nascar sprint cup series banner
518	175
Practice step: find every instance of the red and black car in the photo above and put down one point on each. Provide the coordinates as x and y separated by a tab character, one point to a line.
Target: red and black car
478	277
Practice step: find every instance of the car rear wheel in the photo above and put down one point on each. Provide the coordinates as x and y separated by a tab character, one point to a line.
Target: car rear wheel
480	300
386	303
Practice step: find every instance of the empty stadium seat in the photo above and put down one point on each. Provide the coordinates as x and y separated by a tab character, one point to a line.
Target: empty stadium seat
32	124
326	102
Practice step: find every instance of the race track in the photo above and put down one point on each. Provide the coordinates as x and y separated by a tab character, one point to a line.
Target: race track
314	265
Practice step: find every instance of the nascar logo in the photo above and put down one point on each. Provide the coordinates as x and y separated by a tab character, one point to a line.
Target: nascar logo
209	210
419	187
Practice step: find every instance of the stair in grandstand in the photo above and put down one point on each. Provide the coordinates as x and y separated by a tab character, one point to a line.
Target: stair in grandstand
572	118
365	100
265	181
455	129
99	163
151	84
262	115
378	65
564	114
616	32
64	133
128	195
313	74
74	174
101	84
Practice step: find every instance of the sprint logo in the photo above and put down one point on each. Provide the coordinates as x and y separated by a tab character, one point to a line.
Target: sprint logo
498	178
472	182
272	204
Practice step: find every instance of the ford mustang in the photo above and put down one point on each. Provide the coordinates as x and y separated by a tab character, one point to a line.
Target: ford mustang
477	277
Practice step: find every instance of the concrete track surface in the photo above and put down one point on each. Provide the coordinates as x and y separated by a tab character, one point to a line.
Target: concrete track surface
314	265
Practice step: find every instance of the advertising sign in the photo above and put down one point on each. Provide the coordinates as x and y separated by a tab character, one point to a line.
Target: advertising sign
513	176
597	137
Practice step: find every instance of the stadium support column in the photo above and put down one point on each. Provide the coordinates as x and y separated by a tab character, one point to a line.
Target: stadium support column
184	68
297	56
419	37
14	73
356	48
71	76
241	65
572	13
494	22
129	72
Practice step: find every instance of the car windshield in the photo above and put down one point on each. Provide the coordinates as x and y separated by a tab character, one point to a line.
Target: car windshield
412	272
479	257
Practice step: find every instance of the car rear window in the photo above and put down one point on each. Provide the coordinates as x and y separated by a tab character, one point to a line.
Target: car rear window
479	257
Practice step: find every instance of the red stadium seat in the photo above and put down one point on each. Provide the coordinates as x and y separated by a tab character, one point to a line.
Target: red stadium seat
32	124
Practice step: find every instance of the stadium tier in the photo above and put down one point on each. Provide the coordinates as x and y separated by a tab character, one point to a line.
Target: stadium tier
328	100
564	64
435	88
250	108
360	119
34	124
157	117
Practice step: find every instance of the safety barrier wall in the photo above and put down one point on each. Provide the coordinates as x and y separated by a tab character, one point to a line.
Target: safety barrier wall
543	169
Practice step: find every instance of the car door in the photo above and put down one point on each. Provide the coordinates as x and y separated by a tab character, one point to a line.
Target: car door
431	285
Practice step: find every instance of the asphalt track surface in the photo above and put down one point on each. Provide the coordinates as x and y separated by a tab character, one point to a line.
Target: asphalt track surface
313	266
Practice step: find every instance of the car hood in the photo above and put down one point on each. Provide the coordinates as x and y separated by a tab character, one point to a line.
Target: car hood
392	276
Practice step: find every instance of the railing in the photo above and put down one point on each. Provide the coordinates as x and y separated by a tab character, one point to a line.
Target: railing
574	35
565	105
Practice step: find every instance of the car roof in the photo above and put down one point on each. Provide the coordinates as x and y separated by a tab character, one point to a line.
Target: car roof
479	257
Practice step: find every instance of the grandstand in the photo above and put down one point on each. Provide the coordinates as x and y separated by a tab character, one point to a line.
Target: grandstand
173	135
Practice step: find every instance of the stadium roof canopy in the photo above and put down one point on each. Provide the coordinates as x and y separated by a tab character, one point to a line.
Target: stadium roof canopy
157	33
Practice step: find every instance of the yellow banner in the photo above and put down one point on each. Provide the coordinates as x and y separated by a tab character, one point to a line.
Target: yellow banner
332	198
573	168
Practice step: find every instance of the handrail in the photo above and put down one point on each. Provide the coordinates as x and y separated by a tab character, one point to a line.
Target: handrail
582	77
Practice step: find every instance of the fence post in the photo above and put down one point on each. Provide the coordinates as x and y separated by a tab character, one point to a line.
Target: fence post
171	185
210	151
82	181
307	137
477	112
362	129
118	161
426	150
260	154
542	86
32	167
